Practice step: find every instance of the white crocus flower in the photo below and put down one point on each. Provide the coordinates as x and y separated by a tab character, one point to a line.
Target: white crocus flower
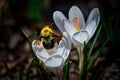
76	27
53	58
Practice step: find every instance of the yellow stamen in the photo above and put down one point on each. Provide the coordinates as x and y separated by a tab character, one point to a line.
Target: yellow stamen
37	42
75	22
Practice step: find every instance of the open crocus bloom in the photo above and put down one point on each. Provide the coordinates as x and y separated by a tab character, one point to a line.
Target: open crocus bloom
75	26
55	57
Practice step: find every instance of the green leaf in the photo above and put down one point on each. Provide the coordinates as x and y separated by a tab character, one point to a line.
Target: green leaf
66	69
85	62
95	39
96	55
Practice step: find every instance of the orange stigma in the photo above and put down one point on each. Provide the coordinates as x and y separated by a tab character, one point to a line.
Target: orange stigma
75	22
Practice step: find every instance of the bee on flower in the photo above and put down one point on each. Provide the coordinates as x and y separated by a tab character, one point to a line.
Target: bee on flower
50	51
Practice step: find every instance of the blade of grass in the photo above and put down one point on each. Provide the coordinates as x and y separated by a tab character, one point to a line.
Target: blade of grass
66	69
29	40
96	55
95	39
85	62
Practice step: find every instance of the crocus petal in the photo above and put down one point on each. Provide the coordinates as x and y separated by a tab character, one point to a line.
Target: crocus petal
76	12
69	27
81	36
64	46
68	42
94	16
92	22
91	28
60	50
58	18
54	61
40	52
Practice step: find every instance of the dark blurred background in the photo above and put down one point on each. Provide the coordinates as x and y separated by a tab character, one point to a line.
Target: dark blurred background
32	15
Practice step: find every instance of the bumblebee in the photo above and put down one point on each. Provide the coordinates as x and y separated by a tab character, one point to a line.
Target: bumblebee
49	37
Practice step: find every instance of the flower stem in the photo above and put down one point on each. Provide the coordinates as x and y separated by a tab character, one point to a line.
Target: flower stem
81	65
81	61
